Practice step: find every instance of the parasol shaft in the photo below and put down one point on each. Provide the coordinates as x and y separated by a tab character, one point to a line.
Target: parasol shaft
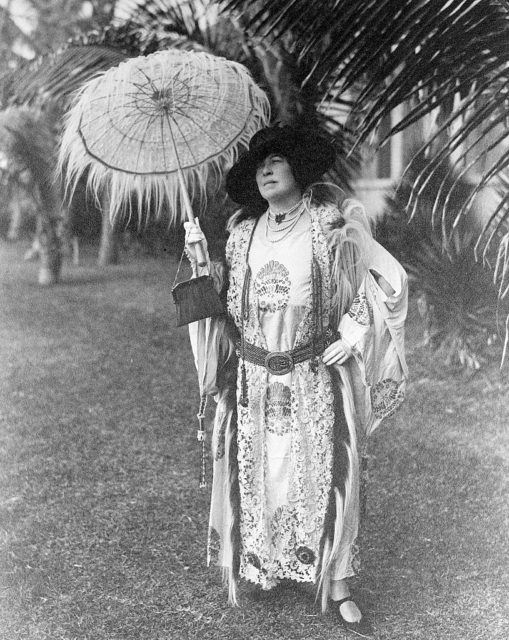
185	195
200	253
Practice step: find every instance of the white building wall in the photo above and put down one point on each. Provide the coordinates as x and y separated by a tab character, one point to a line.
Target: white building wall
371	188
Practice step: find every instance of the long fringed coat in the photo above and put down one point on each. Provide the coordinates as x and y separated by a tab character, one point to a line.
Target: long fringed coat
307	532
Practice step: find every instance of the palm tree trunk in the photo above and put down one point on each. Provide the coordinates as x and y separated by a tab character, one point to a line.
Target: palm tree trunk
50	252
109	247
70	242
13	197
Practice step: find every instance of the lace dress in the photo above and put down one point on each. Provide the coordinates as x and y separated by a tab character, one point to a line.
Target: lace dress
284	500
285	433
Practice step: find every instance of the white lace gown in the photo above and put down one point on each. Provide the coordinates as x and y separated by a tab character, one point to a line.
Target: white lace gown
269	525
285	434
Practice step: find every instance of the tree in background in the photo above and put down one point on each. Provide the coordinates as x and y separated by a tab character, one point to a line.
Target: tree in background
45	84
446	62
28	142
198	25
456	296
346	65
446	65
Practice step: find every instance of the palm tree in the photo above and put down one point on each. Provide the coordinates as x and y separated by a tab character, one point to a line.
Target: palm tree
278	68
198	25
444	65
28	142
49	82
456	297
445	61
44	87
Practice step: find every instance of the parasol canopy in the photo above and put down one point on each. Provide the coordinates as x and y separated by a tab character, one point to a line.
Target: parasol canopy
159	127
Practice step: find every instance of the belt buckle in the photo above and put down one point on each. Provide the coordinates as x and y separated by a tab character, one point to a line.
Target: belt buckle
278	363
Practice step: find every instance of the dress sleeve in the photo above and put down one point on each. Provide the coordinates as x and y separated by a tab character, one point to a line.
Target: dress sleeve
212	339
373	330
356	324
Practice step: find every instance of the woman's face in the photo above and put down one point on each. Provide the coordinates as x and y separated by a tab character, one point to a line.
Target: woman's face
275	179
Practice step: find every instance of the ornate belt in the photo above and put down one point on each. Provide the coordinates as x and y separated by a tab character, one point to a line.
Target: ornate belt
280	363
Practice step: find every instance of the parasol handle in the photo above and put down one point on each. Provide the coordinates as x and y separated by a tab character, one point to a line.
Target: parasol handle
200	253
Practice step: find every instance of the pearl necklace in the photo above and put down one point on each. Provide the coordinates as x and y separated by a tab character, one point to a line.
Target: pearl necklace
279	216
287	229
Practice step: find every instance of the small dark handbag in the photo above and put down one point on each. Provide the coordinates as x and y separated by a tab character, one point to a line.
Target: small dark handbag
195	299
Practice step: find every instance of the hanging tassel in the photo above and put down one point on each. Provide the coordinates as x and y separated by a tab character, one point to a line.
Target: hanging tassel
243	401
244	312
364	476
201	438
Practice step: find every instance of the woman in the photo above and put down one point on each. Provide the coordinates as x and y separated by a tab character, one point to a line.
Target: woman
315	332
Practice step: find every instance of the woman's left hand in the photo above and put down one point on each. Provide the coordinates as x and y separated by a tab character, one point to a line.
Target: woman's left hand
336	353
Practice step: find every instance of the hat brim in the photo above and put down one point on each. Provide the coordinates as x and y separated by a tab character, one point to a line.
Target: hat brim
314	153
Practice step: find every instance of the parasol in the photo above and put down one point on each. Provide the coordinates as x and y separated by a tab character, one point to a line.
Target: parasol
155	129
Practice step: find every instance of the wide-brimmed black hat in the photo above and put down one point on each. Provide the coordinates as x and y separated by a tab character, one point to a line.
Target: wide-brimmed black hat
309	153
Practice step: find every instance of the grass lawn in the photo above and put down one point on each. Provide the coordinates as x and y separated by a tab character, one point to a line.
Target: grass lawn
103	526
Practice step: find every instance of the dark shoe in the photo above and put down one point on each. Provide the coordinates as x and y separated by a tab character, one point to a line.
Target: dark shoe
363	628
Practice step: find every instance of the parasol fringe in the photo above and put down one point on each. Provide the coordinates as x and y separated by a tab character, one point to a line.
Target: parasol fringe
157	195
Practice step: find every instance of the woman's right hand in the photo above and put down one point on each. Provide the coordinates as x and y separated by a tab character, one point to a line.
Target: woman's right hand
195	238
336	353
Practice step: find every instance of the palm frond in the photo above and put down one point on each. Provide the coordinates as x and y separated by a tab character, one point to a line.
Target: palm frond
496	226
442	60
193	23
278	69
457	295
56	76
387	53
